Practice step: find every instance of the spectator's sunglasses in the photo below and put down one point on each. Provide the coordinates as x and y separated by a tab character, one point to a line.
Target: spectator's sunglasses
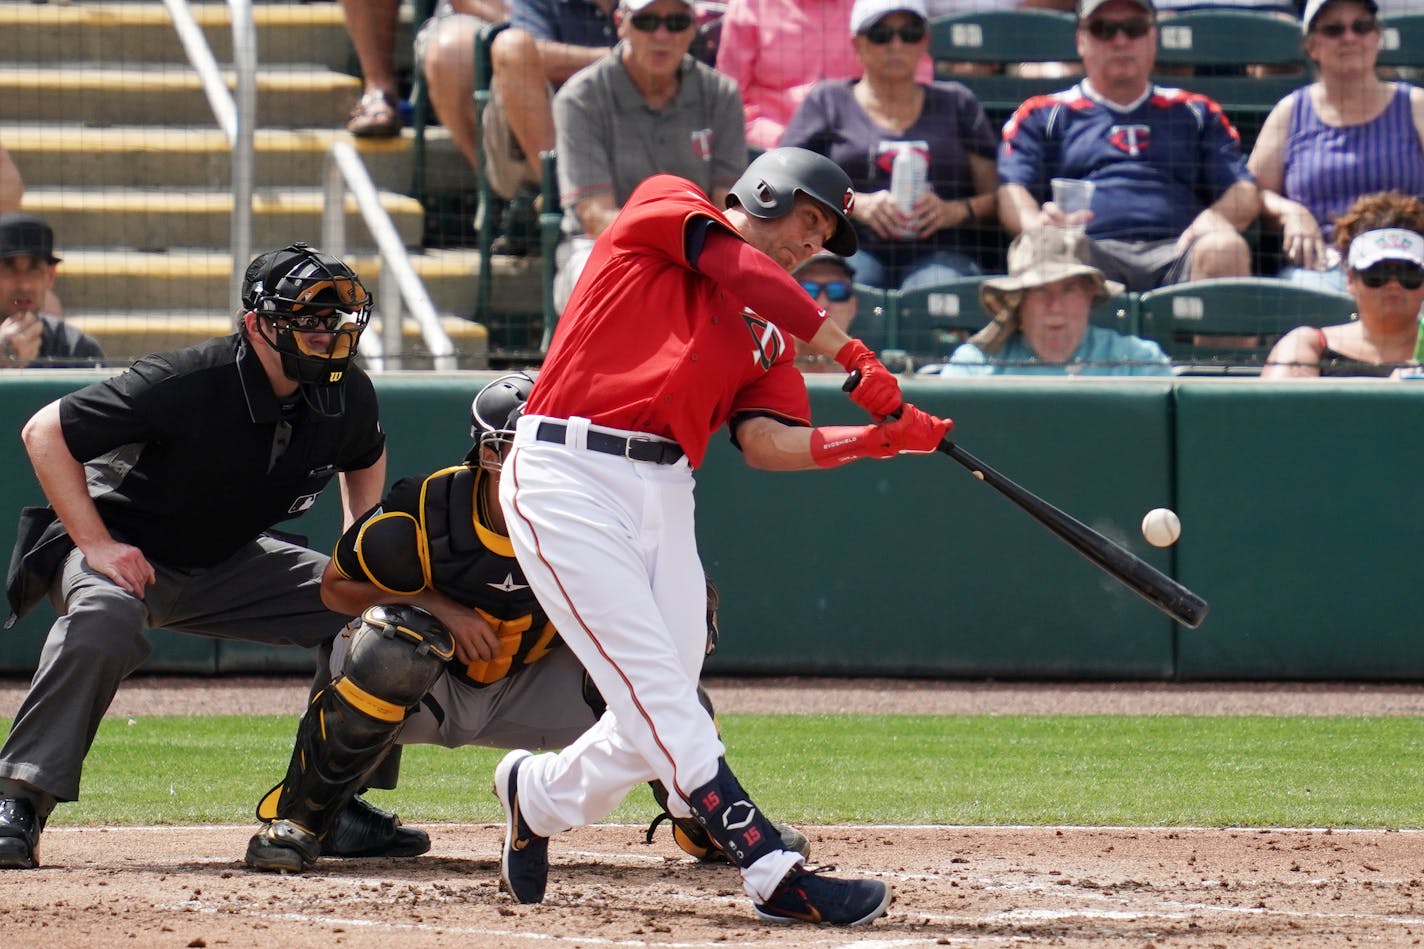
1361	27
910	33
649	22
837	291
1105	30
1410	276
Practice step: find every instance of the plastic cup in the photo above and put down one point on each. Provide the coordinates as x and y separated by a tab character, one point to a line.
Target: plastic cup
1072	194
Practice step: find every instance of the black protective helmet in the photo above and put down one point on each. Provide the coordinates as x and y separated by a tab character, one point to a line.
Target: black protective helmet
311	309
768	188
493	412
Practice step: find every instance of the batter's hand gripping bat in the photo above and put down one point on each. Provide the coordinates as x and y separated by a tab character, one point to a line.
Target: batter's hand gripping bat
1154	586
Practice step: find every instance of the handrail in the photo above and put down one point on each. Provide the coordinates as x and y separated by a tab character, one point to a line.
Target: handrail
237	119
345	171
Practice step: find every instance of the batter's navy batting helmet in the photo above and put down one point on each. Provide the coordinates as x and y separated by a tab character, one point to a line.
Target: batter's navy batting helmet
768	189
493	412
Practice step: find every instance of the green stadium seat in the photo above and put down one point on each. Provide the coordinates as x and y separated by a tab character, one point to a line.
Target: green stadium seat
551	220
1003	39
1229	325
1402	41
932	321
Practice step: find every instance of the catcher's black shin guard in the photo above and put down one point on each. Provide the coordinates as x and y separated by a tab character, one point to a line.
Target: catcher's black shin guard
395	656
726	812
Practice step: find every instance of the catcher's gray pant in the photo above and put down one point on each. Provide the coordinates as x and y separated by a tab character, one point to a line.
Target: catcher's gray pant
268	592
541	707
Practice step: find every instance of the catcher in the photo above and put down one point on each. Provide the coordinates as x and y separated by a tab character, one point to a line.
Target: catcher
433	578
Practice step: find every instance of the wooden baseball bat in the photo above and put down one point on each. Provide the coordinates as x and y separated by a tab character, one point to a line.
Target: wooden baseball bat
1139	576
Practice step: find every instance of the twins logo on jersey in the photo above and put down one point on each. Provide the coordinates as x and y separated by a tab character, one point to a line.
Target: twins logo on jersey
1132	139
768	342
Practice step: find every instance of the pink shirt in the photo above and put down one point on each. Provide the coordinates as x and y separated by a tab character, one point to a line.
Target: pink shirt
776	50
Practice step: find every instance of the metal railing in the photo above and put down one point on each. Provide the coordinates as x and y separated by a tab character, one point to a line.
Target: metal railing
399	282
237	117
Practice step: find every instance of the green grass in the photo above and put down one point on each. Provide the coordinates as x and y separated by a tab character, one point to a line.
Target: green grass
1095	770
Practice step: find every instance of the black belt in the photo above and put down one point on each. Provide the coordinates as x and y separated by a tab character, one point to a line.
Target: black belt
635	448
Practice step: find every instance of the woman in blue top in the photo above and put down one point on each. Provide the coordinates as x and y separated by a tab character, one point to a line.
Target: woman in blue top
861	124
1041	312
1348	134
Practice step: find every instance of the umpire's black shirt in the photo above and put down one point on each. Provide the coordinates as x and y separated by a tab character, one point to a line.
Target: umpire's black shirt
184	451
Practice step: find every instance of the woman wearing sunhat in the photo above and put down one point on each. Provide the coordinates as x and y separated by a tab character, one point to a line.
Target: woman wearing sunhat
1040	311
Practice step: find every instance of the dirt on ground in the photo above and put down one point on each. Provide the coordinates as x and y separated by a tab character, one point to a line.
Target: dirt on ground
954	886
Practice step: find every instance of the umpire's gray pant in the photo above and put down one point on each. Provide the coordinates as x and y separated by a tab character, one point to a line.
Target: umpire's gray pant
268	592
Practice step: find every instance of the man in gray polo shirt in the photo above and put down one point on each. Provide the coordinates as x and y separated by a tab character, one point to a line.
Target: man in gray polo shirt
646	108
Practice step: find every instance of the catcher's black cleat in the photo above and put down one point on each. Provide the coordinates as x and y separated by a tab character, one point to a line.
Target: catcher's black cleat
20	830
282	847
524	867
363	830
807	896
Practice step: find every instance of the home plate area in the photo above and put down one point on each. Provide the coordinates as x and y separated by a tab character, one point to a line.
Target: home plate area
954	886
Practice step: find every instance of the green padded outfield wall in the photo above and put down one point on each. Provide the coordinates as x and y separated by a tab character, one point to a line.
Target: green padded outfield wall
1298	503
1303	525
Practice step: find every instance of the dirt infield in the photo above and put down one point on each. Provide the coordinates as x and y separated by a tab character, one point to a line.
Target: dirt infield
955	886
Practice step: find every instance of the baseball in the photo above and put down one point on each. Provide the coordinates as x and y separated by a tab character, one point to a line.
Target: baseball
1161	527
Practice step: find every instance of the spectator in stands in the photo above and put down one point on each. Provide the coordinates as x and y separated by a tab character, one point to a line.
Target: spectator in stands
445	54
1041	310
861	125
829	279
1381	238
1172	189
546	43
777	50
371	24
12	186
647	107
1347	134
30	336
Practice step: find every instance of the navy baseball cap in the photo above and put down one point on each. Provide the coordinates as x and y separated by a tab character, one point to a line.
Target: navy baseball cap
24	235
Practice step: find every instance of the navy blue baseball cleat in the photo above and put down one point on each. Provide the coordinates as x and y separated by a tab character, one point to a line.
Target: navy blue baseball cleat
524	867
807	896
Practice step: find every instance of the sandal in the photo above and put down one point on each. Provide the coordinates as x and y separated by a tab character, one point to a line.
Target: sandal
375	116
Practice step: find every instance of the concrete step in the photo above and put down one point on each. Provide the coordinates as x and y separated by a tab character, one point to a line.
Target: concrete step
197	280
159	220
74	156
127	336
143	33
290	96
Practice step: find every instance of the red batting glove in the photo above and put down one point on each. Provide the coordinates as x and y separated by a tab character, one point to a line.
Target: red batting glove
914	431
878	392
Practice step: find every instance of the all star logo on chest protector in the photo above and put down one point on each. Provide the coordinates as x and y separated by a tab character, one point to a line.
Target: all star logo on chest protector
768	343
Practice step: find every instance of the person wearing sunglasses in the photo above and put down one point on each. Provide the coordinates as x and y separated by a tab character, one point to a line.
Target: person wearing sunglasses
1347	134
648	107
828	279
1172	189
777	50
1381	239
863	124
164	484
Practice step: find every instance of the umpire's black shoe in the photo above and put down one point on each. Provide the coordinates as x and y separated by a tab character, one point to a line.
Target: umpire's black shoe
20	830
808	897
524	868
363	830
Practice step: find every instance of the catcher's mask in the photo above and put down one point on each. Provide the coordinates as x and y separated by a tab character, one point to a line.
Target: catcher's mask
493	412
311	308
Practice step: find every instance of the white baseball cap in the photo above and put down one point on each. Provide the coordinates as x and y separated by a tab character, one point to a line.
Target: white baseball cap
636	5
1313	7
1388	243
865	13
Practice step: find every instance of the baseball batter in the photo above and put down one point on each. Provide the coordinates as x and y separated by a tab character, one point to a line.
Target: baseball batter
677	326
451	649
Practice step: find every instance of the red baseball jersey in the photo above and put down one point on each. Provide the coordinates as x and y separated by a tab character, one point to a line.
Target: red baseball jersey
649	344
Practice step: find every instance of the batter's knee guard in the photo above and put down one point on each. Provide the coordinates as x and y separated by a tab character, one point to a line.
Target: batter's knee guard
396	654
733	822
